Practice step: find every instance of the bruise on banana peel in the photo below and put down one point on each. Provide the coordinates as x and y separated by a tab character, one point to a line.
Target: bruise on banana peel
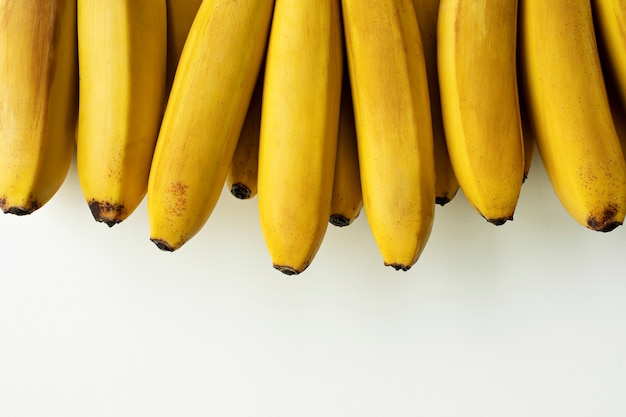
108	213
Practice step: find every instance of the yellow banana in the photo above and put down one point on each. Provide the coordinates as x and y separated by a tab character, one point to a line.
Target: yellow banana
243	172
180	15
121	58
347	199
299	125
204	115
570	113
38	100
528	135
446	184
393	124
479	97
610	21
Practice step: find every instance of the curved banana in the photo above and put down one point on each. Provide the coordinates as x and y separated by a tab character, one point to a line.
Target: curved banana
480	105
38	100
446	184
299	125
347	199
610	21
180	15
204	115
393	124
570	113
244	168
121	58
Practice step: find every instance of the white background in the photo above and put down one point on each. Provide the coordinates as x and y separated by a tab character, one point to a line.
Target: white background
525	319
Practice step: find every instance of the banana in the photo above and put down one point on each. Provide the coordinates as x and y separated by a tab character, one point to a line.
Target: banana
122	60
529	137
610	21
480	105
446	184
243	172
38	100
299	127
394	126
204	115
347	199
570	113
180	15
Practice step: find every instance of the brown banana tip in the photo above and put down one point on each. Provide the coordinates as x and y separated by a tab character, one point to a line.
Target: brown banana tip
398	267
606	227
30	207
19	211
287	270
241	191
107	213
442	201
500	221
339	220
161	244
606	221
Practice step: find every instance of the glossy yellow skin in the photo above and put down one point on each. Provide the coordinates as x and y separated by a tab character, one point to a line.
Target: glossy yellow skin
180	15
38	100
121	56
347	200
204	115
393	124
479	97
299	122
569	111
446	184
244	168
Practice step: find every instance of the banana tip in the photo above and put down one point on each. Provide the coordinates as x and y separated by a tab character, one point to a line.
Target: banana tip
339	220
500	221
241	191
398	267
288	270
163	245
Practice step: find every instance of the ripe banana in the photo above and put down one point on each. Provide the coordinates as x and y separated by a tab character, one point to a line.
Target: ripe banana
180	15
38	100
528	135
243	172
479	97
299	126
610	21
347	199
204	115
446	184
393	124
570	113
122	59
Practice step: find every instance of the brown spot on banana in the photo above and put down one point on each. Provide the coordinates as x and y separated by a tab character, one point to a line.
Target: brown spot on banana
106	212
605	222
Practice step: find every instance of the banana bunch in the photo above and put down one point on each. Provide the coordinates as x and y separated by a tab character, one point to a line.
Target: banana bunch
321	110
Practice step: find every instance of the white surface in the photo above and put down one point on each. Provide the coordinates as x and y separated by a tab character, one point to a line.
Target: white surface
526	319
